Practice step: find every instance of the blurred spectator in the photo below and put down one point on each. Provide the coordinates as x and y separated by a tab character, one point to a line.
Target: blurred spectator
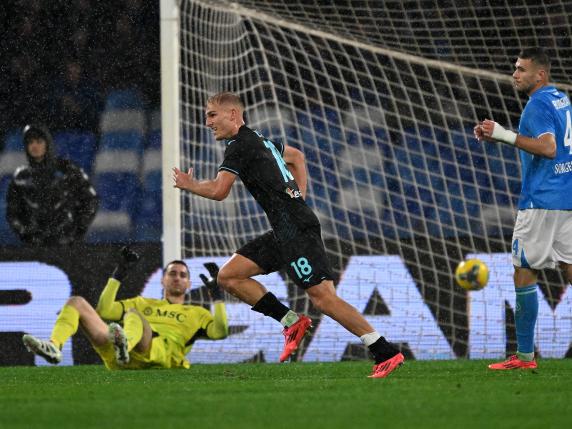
133	44
24	93
116	45
26	46
125	44
76	101
50	201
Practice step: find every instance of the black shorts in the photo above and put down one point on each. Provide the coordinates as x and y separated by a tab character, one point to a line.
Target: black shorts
304	257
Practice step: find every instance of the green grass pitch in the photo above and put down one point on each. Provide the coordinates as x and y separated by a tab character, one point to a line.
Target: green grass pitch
437	394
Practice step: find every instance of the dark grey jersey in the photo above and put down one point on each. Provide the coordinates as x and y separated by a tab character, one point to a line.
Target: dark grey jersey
259	164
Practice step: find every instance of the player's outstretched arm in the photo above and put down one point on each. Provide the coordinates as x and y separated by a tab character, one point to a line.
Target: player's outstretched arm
216	189
296	163
489	130
107	307
218	329
211	284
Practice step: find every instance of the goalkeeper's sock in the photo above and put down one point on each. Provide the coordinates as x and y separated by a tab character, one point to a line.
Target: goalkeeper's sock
66	325
133	329
270	306
525	320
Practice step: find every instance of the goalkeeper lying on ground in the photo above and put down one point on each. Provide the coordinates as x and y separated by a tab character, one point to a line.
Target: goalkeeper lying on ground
156	333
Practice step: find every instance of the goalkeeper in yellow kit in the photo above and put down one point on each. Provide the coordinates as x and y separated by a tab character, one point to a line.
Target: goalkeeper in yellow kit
156	333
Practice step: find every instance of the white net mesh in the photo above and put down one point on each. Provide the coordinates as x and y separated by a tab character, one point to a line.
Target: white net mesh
381	97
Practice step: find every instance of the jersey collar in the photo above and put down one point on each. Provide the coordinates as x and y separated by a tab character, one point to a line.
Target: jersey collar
233	139
543	89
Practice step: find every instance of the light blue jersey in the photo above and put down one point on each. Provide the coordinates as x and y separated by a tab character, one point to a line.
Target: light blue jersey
547	183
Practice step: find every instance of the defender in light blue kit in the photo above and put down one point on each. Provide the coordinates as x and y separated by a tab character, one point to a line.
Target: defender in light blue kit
542	236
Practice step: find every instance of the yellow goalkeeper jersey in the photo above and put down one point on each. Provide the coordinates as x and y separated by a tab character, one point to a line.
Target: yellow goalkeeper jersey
182	324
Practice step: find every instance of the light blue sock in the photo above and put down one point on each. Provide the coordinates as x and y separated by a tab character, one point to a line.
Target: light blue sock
525	318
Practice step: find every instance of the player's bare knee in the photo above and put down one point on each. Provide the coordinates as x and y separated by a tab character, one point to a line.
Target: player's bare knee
226	279
78	302
566	271
524	277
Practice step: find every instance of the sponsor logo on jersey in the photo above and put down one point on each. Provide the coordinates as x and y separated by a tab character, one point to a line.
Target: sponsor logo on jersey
293	193
561	103
171	315
563	167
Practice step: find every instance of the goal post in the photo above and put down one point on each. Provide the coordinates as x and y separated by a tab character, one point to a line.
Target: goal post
381	99
170	127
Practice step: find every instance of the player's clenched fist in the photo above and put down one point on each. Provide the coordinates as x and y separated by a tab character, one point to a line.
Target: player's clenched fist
492	131
478	131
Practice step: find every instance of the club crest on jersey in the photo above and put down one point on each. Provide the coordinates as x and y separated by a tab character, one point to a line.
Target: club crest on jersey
293	193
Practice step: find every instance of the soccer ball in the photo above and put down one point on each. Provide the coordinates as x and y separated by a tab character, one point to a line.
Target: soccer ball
472	274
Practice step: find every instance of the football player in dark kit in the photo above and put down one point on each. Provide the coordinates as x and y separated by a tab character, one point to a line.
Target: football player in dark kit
275	175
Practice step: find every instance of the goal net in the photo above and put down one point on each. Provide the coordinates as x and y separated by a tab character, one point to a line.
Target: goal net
381	97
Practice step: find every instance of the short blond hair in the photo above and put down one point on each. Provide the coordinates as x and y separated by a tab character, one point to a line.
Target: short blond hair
226	97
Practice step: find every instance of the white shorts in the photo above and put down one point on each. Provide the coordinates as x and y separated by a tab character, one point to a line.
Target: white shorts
542	238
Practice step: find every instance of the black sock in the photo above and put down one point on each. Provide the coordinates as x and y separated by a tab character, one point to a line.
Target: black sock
270	306
382	350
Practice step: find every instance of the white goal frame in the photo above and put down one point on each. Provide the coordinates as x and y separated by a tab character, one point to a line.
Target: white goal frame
170	128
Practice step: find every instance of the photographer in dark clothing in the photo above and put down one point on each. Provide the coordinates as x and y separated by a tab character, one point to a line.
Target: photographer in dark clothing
50	201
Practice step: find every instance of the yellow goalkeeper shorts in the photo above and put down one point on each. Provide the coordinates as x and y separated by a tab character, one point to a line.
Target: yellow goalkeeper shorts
160	355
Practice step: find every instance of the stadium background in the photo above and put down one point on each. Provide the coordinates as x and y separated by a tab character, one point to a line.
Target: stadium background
117	49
